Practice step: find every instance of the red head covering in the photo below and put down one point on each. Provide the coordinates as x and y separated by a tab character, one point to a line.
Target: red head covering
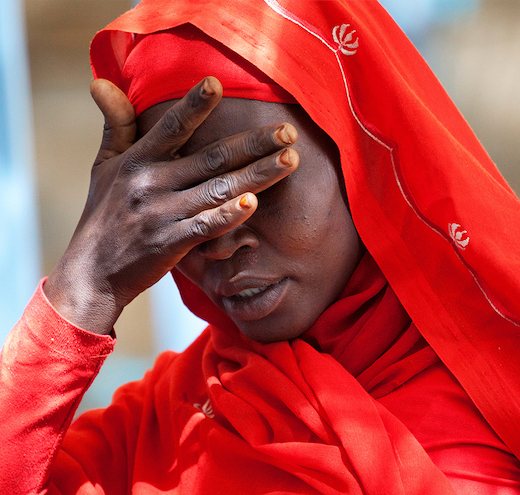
449	252
165	65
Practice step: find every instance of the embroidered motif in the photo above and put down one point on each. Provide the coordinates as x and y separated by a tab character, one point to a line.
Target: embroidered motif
459	236
206	408
344	39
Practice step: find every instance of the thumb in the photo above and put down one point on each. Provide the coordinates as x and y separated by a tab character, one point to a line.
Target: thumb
120	130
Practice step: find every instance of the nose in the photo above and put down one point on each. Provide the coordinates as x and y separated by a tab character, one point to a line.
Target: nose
226	245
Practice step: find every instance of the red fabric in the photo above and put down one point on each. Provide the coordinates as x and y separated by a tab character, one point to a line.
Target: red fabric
46	365
366	334
286	417
442	248
172	62
168	433
367	330
370	334
449	252
445	421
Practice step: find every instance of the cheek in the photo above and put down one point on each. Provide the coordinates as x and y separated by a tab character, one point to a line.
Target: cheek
340	246
191	266
325	219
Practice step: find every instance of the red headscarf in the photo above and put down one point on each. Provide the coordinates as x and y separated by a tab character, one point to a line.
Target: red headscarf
449	252
166	65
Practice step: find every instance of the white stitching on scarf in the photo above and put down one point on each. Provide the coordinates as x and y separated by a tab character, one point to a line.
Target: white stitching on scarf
458	235
274	5
344	39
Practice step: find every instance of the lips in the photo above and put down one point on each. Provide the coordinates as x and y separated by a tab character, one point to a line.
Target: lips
254	302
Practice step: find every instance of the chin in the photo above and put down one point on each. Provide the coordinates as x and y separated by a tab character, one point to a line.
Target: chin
262	335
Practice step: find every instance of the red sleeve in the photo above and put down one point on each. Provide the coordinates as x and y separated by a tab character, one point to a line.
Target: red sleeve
46	365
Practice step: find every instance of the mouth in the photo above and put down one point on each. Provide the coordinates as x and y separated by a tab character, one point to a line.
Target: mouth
251	292
254	303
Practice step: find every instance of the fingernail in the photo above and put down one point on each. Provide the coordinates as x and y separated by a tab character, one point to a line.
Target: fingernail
206	90
287	157
244	202
286	134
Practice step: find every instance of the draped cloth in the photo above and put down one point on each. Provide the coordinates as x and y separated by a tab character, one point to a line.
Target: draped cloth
172	61
449	253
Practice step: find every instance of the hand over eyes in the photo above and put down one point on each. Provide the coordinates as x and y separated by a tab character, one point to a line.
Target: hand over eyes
148	206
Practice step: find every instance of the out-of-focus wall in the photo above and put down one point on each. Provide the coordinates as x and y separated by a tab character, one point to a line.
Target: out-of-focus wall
68	129
477	57
19	232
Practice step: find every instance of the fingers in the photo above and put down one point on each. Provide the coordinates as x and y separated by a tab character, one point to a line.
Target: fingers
223	156
215	222
178	123
161	145
216	174
254	178
120	128
233	153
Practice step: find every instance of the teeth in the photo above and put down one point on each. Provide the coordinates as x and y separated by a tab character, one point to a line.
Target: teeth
251	292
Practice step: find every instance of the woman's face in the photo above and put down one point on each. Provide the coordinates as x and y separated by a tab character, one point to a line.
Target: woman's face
275	274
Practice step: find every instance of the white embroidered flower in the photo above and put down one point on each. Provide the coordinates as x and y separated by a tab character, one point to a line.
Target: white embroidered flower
458	235
346	42
206	408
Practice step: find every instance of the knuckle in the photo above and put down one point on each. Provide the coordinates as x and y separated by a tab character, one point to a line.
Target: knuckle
140	192
202	227
207	224
253	178
255	144
219	190
134	162
192	100
257	175
216	157
180	118
173	123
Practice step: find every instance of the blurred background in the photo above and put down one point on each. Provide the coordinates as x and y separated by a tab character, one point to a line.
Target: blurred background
50	131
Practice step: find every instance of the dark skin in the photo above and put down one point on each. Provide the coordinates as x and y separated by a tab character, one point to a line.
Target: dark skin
276	273
184	195
143	213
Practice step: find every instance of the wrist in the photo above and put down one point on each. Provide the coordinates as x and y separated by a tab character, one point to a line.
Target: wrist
80	303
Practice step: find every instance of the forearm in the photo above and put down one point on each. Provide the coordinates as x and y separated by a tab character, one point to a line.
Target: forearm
45	367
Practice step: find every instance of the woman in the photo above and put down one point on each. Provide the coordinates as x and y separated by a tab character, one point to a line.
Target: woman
360	347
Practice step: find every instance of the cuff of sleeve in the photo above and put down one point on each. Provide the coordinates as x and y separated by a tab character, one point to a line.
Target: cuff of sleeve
61	336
